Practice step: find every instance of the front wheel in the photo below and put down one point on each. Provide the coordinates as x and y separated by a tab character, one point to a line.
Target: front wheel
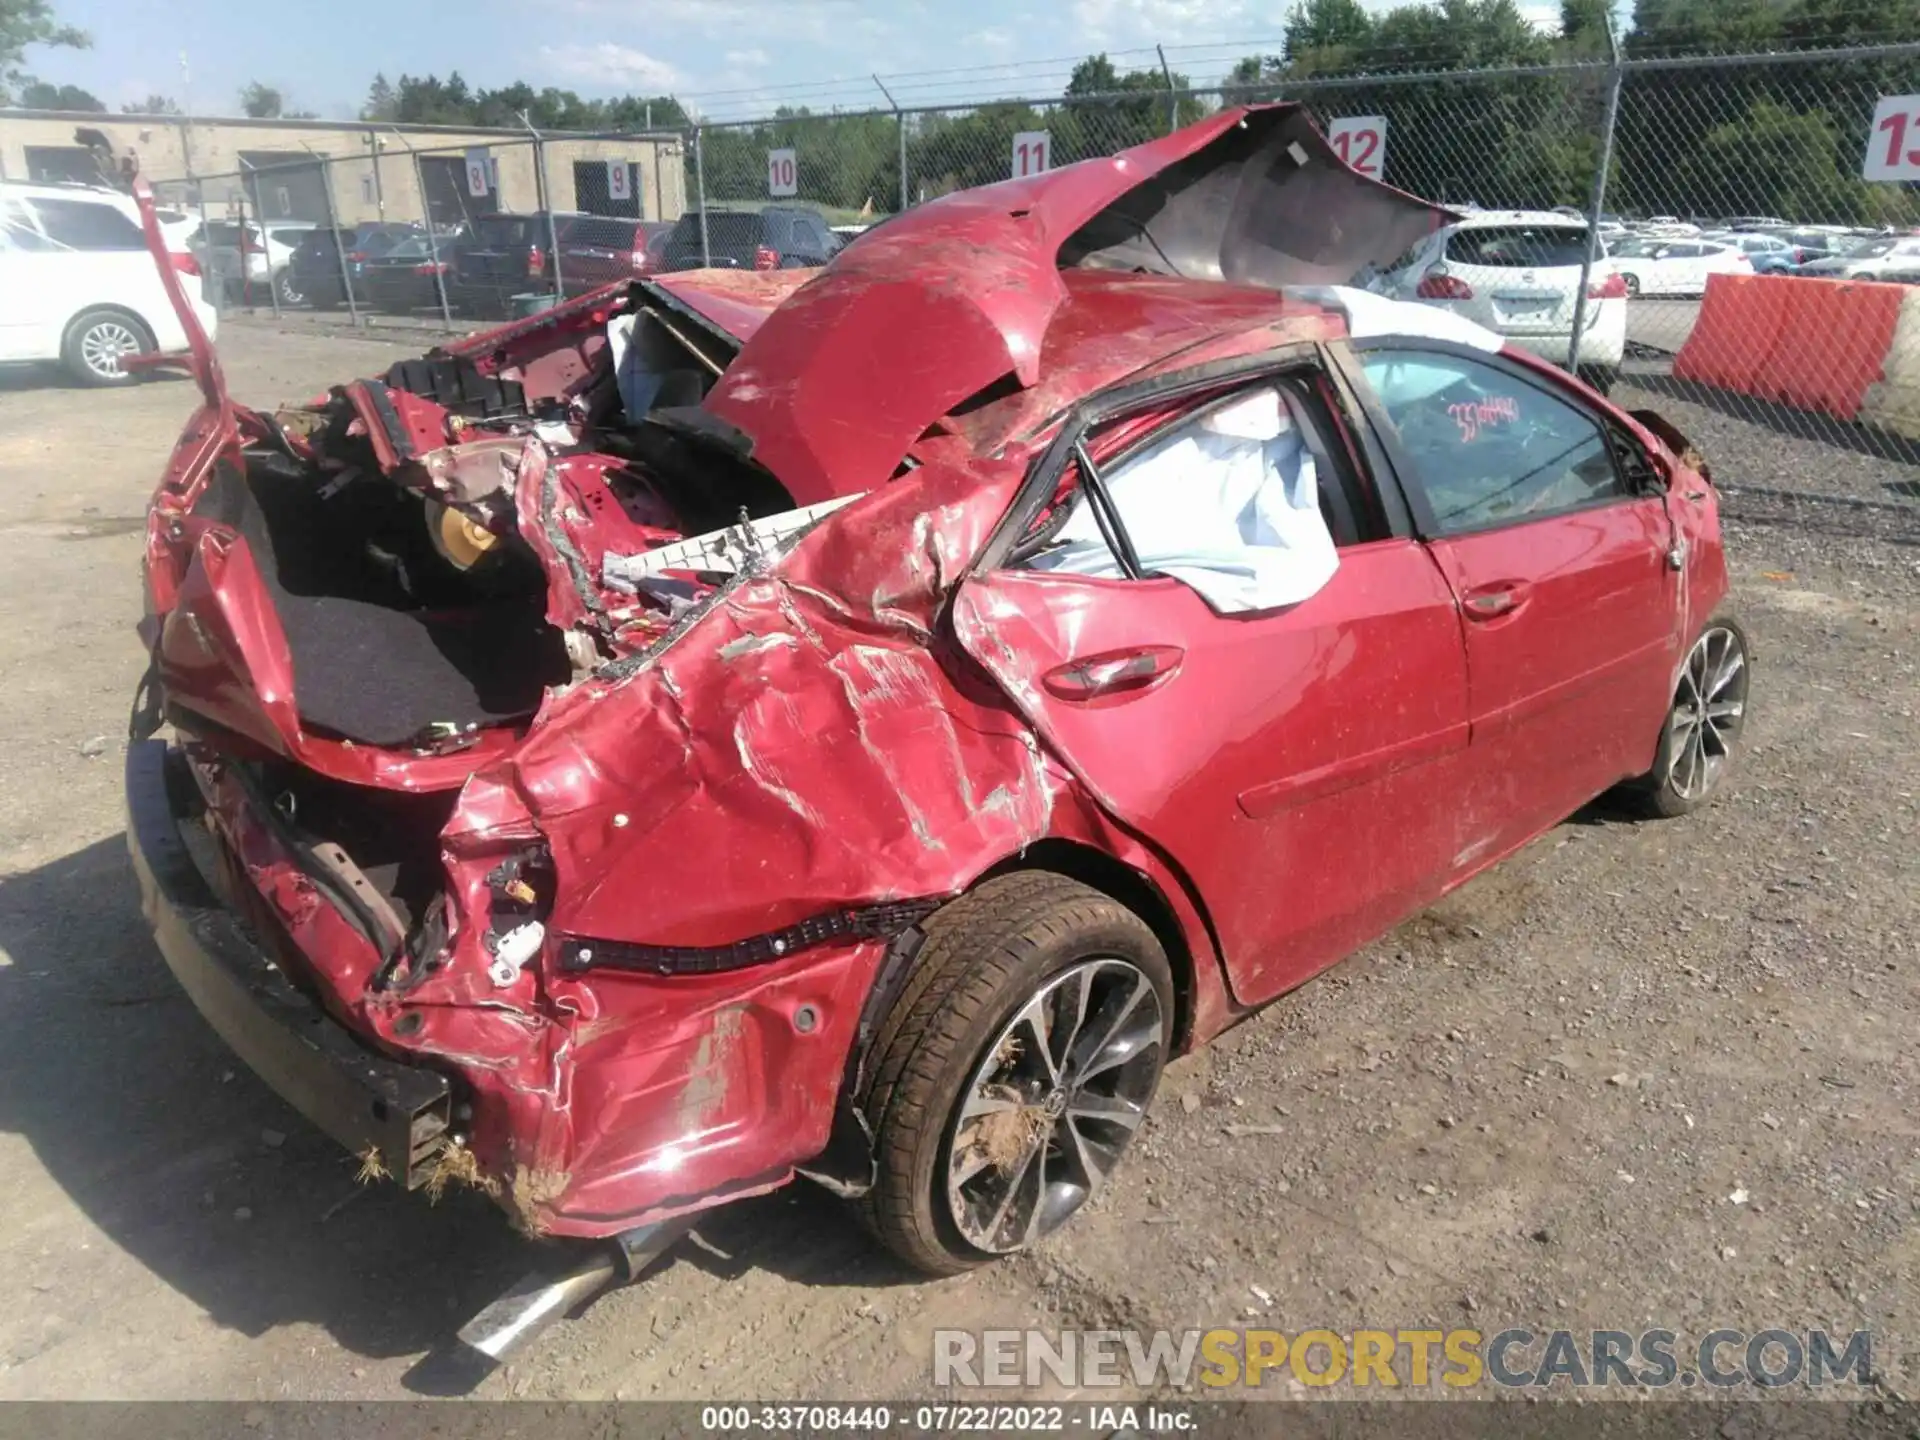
1702	730
1014	1069
289	292
98	341
1632	282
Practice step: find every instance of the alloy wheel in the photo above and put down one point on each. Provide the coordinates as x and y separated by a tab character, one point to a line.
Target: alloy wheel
104	345
1053	1104
1709	708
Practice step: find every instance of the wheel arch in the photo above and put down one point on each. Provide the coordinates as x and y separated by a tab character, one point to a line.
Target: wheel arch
1115	878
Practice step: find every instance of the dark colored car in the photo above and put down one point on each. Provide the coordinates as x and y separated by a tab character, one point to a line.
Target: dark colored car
777	238
503	256
408	276
878	716
315	266
597	250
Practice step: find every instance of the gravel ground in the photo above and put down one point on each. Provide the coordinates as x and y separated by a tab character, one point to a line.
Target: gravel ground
1533	1105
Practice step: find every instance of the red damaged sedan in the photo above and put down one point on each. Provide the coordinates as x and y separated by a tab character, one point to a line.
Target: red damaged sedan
862	723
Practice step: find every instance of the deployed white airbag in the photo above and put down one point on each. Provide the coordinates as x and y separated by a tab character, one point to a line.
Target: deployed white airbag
1229	505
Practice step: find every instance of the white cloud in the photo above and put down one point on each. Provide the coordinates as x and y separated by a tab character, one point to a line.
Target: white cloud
997	41
611	65
1142	24
748	59
1544	18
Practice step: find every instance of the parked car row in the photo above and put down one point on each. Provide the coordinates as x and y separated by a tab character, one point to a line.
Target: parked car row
482	265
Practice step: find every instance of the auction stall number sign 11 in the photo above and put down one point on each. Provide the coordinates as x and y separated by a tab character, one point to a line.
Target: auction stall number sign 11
783	173
1361	141
1032	153
1893	144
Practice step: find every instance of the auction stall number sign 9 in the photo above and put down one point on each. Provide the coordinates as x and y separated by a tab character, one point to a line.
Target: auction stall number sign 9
619	180
783	173
1361	141
1032	153
1893	144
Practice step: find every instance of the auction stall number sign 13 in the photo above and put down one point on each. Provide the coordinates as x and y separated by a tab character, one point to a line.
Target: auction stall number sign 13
783	173
1032	153
1361	141
1893	144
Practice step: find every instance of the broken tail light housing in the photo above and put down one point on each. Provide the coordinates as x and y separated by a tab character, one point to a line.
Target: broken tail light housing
867	922
1614	287
765	257
184	263
536	261
431	267
1438	285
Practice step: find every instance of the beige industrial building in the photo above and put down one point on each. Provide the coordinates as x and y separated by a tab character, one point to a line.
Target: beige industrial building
296	169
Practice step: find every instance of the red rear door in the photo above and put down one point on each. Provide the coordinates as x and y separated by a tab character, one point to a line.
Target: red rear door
1569	601
1296	763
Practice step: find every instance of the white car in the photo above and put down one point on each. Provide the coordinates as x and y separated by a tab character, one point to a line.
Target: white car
79	285
1869	259
1653	266
253	256
1517	272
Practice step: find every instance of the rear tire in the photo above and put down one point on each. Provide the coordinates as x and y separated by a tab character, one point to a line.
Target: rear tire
97	339
1014	1068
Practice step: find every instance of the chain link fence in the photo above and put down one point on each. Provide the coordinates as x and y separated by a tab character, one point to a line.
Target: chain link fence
1685	167
1696	175
410	225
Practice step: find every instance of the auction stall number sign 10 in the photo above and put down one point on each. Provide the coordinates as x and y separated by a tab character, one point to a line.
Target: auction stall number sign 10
1893	144
1361	141
783	173
1032	153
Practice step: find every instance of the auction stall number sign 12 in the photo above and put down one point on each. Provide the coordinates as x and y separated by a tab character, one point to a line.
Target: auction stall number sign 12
1361	141
1893	144
1032	153
783	173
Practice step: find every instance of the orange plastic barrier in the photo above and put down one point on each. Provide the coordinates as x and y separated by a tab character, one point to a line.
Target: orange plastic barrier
1843	351
1813	344
1741	318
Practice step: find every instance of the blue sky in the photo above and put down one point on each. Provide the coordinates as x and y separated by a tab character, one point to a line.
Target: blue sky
734	57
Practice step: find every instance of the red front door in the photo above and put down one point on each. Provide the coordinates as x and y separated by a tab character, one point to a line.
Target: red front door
1568	599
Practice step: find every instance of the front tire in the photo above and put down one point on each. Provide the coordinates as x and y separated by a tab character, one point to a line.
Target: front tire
1014	1069
1701	735
97	341
1632	282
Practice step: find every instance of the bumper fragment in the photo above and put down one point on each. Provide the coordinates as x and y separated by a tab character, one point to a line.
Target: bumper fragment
364	1100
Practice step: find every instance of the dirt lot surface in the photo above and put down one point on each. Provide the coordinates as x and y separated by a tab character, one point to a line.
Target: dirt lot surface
1530	1106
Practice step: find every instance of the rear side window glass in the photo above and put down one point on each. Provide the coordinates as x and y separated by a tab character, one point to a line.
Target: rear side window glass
1235	502
1519	246
83	225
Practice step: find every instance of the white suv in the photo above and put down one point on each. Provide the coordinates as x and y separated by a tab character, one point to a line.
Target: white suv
1517	272
79	285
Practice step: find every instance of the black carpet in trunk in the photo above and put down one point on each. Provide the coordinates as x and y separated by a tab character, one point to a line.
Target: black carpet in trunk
384	643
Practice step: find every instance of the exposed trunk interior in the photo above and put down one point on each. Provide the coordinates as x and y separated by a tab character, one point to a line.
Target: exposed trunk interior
389	641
